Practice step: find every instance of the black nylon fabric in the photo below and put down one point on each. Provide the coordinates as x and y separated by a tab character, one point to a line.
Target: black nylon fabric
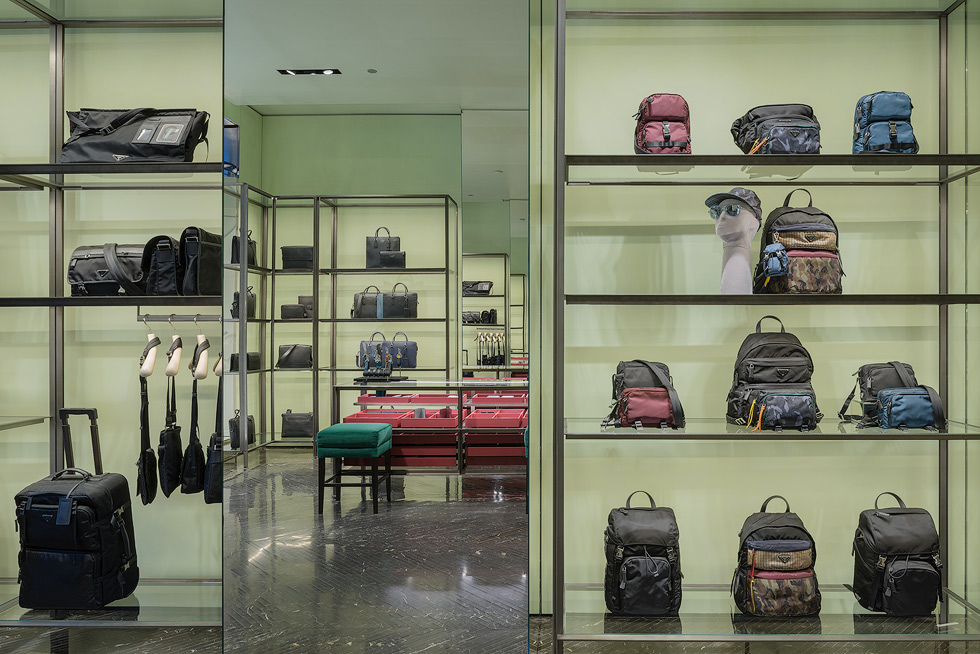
162	272
89	273
108	135
200	257
754	124
169	450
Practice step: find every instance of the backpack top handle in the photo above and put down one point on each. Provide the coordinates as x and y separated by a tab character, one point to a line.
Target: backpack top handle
901	504
653	504
766	503
758	325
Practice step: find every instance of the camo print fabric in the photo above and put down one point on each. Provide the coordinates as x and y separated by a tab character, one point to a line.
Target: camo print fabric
783	597
809	275
793	139
788	411
763	560
806	240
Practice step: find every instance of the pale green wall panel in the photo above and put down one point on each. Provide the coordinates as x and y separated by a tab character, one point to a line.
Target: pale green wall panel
355	155
486	227
24	101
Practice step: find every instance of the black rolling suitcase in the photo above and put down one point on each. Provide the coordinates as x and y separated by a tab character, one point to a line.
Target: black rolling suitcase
77	549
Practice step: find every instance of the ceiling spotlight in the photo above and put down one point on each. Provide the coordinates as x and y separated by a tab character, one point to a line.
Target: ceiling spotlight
372	70
309	71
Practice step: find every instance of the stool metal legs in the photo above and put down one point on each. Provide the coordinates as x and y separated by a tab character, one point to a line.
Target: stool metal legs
336	482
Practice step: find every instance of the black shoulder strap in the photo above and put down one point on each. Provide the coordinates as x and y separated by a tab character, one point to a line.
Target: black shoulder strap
938	413
144	416
112	126
675	401
194	437
217	410
118	274
201	347
146	350
903	374
171	401
285	355
842	414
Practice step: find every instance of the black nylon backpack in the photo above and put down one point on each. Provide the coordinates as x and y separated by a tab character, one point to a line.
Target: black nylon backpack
773	369
774	576
896	560
643	561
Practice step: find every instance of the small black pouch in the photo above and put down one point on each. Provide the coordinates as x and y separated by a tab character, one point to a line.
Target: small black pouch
476	288
236	439
295	356
169	451
294	312
392	259
250	306
252	361
488	317
252	250
297	425
297	257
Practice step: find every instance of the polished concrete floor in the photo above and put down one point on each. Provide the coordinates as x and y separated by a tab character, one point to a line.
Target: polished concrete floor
443	568
31	640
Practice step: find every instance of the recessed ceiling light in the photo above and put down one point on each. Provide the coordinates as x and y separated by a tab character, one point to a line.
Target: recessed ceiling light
309	71
498	171
372	70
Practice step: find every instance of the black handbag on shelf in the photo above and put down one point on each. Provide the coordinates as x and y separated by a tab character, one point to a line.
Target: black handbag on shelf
295	312
134	135
404	354
471	289
252	361
106	270
378	305
250	245
213	465
192	465
236	438
162	272
295	356
200	257
488	317
297	425
384	251
297	257
250	305
472	317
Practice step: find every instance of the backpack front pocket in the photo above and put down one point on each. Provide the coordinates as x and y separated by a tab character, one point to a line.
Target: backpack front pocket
776	370
644	585
779	410
648	406
810	272
667	136
793	139
779	554
806	236
783	593
911	587
892	136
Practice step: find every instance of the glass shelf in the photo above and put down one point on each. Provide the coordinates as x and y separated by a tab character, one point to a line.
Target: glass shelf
113	301
718	429
256	270
762	170
173	10
152	604
371	320
929	7
708	613
13	422
464	384
932	299
121	176
383	271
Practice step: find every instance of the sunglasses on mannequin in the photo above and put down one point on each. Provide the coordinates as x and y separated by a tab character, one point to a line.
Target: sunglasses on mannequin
729	209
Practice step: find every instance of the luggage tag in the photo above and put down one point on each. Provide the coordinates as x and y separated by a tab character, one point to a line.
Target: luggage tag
65	506
775	262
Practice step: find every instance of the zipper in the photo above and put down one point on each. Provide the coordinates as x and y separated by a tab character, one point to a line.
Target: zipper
805	227
820	254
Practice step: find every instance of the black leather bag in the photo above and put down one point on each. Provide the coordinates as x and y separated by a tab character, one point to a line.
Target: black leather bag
106	270
297	425
295	356
213	466
471	289
169	450
488	317
250	305
192	465
200	257
253	362
297	257
146	465
295	312
393	305
252	250
162	271
380	250
134	135
236	438
472	317
404	354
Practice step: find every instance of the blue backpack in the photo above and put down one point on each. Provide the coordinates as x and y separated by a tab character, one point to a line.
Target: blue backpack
881	124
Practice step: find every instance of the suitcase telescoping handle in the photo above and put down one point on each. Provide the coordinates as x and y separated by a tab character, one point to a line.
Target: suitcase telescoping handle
93	416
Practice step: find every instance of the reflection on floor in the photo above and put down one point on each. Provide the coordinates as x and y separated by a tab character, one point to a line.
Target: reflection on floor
443	568
31	640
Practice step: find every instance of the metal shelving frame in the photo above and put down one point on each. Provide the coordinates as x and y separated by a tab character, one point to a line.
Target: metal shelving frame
503	313
327	214
49	177
967	164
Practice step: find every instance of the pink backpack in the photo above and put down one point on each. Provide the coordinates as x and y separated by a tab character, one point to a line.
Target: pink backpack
663	125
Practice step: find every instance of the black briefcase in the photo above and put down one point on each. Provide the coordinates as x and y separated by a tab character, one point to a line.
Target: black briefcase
134	135
77	545
200	257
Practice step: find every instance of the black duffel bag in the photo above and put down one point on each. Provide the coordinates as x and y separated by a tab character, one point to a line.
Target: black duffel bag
778	129
200	258
108	269
134	135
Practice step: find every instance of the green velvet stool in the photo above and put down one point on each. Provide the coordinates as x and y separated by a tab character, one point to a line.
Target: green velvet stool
364	440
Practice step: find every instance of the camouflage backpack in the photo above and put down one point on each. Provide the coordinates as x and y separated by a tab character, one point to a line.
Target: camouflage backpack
774	576
799	252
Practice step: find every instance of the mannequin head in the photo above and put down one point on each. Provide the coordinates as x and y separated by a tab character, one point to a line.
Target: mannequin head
736	224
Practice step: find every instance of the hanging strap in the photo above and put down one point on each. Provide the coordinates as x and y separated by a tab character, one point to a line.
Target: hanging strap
218	408
118	274
194	437
938	413
176	345
146	350
144	416
198	351
171	402
285	355
113	124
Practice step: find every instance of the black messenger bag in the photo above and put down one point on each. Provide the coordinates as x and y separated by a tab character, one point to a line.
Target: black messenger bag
162	273
108	269
134	135
200	258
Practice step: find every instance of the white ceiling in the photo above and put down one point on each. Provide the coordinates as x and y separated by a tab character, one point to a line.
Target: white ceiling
432	56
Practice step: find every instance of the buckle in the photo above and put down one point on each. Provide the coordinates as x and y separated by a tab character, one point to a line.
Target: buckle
892	130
